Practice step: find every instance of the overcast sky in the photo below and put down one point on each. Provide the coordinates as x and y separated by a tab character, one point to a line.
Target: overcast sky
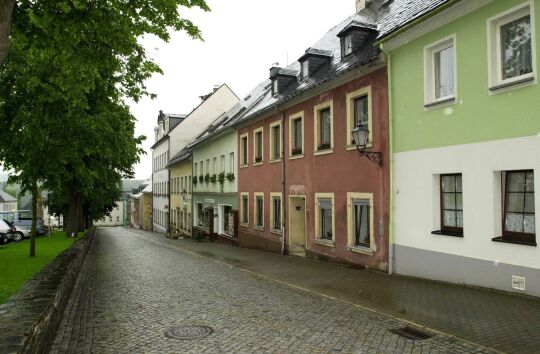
242	39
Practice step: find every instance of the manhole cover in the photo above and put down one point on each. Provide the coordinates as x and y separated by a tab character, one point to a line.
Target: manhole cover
411	333
189	332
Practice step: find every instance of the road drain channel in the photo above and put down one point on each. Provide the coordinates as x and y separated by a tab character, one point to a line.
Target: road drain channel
189	332
411	333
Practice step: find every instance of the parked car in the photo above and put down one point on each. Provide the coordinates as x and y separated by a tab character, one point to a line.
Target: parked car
9	230
21	231
23	219
4	240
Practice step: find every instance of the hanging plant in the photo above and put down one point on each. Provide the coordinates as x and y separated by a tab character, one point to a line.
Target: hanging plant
221	178
195	180
201	178
207	177
213	178
230	177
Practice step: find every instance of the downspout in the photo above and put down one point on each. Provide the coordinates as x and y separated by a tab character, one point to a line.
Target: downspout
390	159
168	226
284	199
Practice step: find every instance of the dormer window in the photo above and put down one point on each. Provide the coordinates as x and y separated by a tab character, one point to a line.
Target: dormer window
305	69
275	87
347	45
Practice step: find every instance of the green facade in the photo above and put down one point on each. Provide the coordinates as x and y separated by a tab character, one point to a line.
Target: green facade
476	115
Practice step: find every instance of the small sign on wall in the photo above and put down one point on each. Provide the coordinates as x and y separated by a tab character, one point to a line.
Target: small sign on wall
518	283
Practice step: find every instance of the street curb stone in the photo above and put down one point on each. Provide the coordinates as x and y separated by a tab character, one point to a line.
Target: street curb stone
30	318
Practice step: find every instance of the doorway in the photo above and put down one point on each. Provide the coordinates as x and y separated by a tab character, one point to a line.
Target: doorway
297	225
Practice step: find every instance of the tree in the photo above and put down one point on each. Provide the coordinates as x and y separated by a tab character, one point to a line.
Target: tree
6	18
62	90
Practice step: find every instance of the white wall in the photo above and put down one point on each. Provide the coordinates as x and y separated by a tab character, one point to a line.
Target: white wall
8	206
416	197
116	218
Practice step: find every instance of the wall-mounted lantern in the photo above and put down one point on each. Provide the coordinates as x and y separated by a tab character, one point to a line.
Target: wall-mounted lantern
360	136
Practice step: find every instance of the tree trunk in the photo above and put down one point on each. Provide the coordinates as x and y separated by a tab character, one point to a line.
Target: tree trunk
6	20
72	227
80	215
34	220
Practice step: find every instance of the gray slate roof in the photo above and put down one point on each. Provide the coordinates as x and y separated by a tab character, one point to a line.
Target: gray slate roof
329	44
6	197
394	14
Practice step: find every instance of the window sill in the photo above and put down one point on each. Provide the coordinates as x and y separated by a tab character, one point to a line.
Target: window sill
440	102
361	250
447	233
275	160
323	152
511	83
327	243
244	225
244	166
294	157
257	163
259	228
505	240
277	232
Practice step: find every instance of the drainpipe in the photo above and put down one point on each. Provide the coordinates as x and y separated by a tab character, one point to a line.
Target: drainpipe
284	199
390	159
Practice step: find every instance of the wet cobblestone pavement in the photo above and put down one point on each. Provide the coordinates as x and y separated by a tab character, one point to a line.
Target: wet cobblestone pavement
134	288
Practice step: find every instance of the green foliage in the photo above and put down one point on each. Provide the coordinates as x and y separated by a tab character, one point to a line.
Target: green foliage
194	180
230	177
213	178
201	178
207	177
14	259
63	118
221	178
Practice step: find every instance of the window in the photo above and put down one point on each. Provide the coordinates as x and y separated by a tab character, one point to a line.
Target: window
222	163
226	219
244	149
519	208
358	113
296	135
258	146
360	222
231	163
202	168
195	169
259	210
208	166
214	166
324	217
275	87
452	204
347	45
200	215
305	69
324	140
511	47
440	71
275	211
244	206
275	141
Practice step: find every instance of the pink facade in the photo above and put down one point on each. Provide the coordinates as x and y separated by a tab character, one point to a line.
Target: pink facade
307	182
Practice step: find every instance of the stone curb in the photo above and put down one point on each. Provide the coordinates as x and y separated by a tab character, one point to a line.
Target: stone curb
30	318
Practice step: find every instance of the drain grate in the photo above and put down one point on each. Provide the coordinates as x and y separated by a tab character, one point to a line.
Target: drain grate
189	332
411	333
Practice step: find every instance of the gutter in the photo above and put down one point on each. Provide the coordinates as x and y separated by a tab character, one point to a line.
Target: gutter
391	228
408	25
284	198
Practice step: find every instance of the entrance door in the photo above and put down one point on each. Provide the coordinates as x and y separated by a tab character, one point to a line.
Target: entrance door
297	225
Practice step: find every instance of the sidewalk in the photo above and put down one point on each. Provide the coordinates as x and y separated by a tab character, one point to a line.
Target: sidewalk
501	321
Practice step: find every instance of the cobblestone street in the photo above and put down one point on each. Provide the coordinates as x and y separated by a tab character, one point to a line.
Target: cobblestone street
134	287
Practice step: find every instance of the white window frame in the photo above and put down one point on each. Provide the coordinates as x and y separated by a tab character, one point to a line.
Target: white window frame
275	87
272	216
242	157
292	118
241	221
255	132
318	240
494	25
305	69
232	168
272	126
347	50
255	212
429	70
316	127
351	246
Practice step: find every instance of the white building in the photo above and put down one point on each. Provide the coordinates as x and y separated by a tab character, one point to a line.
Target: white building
7	202
116	218
172	134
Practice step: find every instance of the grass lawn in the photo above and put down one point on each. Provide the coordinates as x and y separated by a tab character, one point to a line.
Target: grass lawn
16	267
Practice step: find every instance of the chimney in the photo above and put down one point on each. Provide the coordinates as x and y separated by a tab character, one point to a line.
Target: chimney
360	5
274	70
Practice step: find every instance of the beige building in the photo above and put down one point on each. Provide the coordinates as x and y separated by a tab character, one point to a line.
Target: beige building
180	169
